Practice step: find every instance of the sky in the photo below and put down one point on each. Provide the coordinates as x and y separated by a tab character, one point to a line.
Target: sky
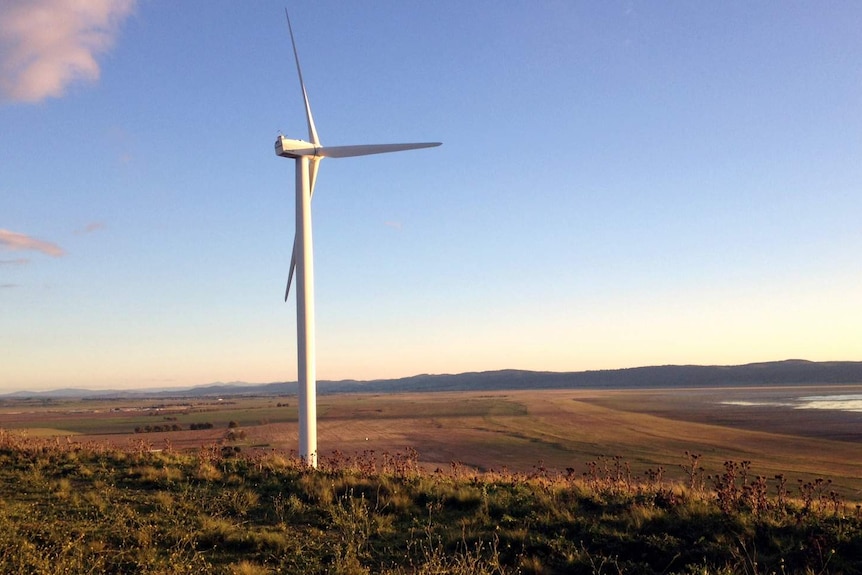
621	183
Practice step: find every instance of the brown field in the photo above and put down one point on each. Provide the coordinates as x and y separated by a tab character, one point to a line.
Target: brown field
516	430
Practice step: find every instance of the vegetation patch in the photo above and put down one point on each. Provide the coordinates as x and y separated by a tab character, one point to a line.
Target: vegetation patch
71	508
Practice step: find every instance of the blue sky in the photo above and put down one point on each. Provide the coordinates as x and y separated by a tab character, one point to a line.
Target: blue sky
620	184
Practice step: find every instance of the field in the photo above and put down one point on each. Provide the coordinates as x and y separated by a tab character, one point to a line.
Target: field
517	431
655	482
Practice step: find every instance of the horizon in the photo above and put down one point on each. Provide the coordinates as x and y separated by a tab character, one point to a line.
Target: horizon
620	185
244	383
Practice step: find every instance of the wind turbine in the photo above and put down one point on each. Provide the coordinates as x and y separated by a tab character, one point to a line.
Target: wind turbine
307	156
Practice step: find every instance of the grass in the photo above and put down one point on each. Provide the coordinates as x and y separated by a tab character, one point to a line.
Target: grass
424	406
72	508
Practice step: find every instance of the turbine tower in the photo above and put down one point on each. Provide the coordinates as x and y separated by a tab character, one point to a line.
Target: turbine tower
307	156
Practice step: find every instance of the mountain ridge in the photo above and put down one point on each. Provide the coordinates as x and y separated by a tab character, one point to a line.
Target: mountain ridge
773	373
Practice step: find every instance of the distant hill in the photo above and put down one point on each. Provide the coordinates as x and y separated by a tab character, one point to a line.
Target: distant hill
789	372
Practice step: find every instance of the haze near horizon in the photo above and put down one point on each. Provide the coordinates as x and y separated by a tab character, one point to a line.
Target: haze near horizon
621	184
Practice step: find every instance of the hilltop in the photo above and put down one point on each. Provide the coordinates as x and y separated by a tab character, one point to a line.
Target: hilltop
73	509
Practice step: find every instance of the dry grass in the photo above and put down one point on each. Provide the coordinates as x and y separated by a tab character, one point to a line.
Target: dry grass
512	430
70	508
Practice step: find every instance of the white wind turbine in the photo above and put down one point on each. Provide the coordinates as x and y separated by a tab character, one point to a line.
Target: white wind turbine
307	156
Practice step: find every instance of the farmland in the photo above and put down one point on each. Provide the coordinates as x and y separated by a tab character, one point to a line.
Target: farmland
513	430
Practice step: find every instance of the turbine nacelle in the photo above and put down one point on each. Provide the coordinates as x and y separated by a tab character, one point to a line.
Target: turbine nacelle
287	148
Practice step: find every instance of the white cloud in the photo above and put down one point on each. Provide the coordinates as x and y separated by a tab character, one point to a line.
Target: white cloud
20	242
47	44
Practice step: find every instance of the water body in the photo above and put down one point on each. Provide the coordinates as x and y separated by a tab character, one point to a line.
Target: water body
850	402
837	402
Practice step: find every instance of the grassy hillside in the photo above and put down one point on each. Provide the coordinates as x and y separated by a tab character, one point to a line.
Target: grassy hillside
68	508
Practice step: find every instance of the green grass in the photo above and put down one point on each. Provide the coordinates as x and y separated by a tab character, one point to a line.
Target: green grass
68	508
98	418
421	406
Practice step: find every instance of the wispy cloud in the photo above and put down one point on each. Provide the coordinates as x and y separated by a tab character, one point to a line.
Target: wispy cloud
47	44
21	242
393	225
91	227
15	262
8	286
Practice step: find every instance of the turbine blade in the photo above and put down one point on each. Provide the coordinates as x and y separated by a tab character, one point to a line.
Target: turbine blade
312	131
312	177
312	174
292	269
368	149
